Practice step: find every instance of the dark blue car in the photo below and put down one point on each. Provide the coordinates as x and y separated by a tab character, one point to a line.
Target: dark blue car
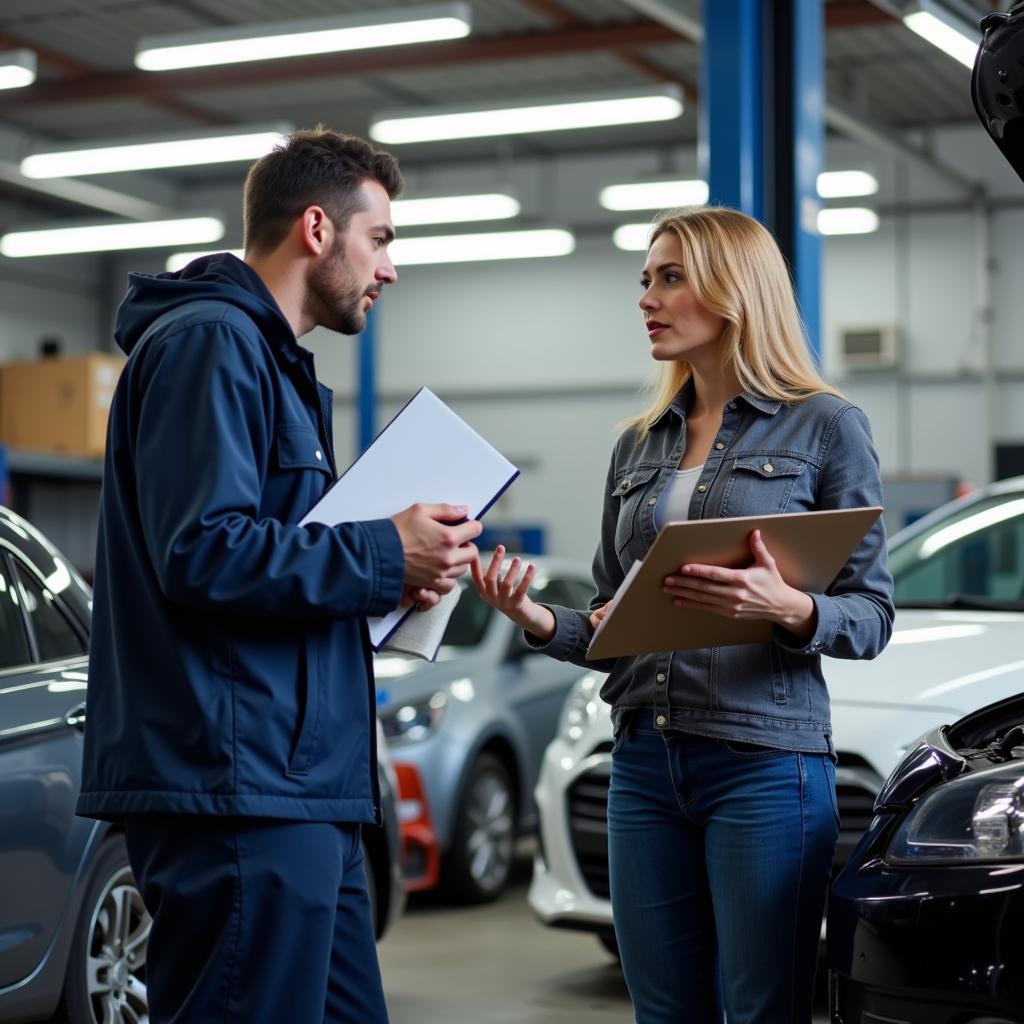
73	929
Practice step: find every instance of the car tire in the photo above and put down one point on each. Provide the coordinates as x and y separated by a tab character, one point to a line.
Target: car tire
113	929
478	866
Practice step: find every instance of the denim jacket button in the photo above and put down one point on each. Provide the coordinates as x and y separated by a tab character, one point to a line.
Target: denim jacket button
660	720
702	488
660	677
653	501
768	467
719	446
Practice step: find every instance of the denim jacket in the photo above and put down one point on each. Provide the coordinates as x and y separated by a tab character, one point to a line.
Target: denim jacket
767	457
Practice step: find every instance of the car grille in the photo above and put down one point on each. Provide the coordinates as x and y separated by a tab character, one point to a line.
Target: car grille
856	786
588	826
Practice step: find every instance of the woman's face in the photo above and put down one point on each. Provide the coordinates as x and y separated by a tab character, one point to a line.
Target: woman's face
677	324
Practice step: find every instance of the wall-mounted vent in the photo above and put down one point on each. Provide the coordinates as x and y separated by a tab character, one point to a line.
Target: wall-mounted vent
869	348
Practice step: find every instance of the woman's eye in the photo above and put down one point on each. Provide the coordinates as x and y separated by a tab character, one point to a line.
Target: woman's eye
670	278
644	283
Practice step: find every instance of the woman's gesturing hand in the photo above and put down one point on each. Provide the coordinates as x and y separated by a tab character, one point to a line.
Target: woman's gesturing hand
757	592
509	594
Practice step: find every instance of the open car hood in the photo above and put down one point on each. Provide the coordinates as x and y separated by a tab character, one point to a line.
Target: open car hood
997	83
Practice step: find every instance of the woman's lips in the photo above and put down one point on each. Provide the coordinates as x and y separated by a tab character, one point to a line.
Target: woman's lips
654	327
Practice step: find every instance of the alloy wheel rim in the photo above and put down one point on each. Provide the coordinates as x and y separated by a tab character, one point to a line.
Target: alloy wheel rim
116	954
489	842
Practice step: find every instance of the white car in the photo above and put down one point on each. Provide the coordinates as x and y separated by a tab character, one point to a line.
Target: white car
958	645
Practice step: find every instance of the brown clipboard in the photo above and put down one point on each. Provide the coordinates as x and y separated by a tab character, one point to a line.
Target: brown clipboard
809	548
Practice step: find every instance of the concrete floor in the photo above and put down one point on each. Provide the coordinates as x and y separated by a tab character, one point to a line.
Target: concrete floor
496	963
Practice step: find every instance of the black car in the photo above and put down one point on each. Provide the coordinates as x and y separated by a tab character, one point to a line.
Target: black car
926	921
73	929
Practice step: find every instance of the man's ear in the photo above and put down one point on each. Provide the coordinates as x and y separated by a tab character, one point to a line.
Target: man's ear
316	230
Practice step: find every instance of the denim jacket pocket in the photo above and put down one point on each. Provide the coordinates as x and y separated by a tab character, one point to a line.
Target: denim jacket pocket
761	484
631	487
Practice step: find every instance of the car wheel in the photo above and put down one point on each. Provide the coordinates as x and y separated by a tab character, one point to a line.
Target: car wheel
106	975
480	861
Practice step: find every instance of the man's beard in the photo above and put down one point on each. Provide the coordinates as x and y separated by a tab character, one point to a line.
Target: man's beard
335	296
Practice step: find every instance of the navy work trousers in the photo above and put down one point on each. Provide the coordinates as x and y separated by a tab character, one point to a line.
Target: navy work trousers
255	921
718	846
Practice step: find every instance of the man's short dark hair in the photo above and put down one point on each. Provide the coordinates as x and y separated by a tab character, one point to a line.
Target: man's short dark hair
314	167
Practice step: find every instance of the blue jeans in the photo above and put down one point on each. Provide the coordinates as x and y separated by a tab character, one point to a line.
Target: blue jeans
718	847
255	920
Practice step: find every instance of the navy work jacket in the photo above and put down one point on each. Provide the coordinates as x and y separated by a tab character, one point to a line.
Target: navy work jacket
230	670
767	457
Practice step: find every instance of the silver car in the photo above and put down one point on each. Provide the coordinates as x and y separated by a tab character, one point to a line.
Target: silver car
467	734
73	928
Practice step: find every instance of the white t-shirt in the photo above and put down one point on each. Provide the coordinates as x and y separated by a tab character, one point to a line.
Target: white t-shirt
674	503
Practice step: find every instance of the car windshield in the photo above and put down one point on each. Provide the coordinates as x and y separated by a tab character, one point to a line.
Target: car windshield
469	620
971	559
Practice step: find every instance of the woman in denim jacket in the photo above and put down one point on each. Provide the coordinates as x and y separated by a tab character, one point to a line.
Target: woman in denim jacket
722	816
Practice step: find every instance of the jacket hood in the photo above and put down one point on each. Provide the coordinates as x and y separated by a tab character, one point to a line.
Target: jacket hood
221	278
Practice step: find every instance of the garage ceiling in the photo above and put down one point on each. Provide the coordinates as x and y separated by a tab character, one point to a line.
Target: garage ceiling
88	87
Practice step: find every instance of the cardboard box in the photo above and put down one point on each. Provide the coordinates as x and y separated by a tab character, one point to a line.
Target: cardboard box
58	405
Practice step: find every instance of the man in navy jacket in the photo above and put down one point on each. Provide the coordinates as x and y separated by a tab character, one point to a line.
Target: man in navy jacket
231	701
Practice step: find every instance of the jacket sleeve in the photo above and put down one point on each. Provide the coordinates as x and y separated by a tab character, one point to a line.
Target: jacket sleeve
201	452
573	631
855	615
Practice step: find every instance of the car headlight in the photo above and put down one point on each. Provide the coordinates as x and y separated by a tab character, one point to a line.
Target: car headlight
580	708
979	817
416	720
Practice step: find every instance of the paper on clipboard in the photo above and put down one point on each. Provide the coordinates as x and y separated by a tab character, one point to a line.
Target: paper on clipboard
809	548
428	454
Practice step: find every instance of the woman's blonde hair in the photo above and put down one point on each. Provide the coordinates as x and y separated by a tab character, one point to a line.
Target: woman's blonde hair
735	269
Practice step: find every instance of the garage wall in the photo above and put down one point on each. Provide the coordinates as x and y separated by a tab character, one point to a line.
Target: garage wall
544	357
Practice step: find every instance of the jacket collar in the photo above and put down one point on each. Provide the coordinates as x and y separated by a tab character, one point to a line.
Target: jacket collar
684	399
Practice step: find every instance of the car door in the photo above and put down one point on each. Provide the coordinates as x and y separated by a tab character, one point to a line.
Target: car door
536	686
43	666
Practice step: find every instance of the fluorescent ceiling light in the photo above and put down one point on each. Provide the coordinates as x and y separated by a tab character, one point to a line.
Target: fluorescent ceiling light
942	28
847	220
660	195
179	260
113	156
495	245
268	41
654	195
633	107
632	237
845	184
451	209
17	69
107	237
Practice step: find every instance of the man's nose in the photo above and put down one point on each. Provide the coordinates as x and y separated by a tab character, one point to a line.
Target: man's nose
386	272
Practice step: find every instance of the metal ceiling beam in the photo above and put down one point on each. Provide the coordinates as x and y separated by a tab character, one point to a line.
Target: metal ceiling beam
147	85
76	69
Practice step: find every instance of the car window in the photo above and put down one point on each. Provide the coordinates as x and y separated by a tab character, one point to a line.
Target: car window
554	590
55	636
974	556
13	642
468	624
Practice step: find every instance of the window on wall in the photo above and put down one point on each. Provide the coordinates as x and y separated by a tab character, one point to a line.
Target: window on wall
55	636
14	649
